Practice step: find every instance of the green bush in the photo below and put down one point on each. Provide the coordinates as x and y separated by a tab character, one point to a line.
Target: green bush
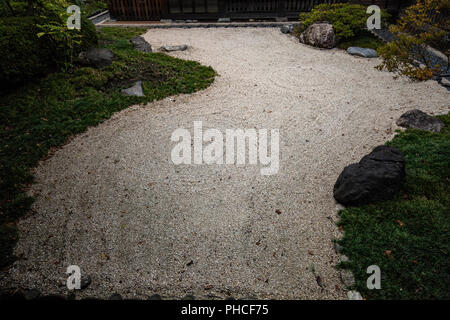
23	54
348	20
89	34
92	7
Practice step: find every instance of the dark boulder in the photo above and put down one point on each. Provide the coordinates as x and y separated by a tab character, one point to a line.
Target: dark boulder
378	176
140	44
417	119
96	57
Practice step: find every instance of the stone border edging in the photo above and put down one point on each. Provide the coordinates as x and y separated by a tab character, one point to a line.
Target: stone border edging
100	17
198	25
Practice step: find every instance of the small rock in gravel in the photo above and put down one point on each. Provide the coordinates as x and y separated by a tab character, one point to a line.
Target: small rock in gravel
188	297
287	28
445	81
115	296
155	297
354	295
417	119
135	90
174	48
224	20
362	52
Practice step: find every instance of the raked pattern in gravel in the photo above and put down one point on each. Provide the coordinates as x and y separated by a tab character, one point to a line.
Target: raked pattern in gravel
112	202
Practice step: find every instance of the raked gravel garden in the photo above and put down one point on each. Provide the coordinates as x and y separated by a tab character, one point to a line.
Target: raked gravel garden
111	201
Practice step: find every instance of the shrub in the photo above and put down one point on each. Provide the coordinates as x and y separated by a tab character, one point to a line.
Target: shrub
89	35
23	54
26	55
348	20
408	54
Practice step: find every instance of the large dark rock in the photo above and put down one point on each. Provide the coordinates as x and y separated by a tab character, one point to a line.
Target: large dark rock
417	119
96	57
320	35
140	44
378	176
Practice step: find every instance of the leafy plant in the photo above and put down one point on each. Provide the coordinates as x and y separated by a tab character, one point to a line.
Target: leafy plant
418	29
63	40
33	45
348	20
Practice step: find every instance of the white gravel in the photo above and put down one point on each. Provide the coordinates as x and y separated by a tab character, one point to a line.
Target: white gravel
112	202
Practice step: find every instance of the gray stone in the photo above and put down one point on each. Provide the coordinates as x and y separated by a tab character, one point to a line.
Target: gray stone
354	295
155	297
174	48
135	90
362	52
140	44
445	81
96	57
417	119
287	28
188	297
224	20
347	278
319	35
378	176
166	20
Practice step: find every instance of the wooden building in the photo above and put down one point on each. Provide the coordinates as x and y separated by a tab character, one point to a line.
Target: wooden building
145	10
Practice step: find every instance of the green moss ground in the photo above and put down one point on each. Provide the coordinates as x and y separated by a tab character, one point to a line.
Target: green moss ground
409	236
